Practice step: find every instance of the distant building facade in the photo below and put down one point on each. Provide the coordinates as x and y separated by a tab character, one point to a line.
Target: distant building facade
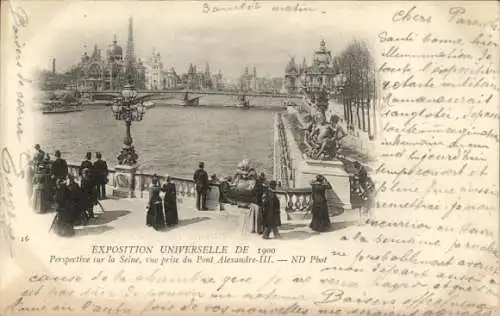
111	72
197	80
321	73
248	81
155	76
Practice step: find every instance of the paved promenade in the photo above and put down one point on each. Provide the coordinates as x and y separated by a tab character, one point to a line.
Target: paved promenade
124	219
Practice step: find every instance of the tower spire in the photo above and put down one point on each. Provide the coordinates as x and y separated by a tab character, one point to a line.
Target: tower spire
130	55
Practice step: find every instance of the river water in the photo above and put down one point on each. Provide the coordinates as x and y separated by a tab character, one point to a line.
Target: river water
170	139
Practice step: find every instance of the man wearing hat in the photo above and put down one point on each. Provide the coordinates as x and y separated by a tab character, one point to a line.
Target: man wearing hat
101	176
271	211
86	164
200	178
59	168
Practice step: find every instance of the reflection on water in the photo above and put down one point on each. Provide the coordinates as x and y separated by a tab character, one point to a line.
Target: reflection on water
169	139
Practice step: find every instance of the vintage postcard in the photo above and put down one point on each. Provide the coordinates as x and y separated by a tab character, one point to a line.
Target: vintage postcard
249	158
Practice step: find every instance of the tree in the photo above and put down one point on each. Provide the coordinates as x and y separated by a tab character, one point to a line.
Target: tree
356	63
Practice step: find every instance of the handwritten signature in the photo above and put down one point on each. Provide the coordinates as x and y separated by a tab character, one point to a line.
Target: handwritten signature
7	206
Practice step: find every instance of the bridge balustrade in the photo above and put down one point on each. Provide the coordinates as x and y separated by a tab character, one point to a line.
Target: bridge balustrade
291	200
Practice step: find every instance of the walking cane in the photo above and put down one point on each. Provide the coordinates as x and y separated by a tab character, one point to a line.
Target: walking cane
53	223
100	205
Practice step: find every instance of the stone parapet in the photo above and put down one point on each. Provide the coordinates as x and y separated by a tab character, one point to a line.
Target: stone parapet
305	170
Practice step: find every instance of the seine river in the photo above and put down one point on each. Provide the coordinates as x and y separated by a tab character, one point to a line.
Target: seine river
170	139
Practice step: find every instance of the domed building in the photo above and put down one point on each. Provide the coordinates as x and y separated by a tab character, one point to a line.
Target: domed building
115	51
312	78
110	72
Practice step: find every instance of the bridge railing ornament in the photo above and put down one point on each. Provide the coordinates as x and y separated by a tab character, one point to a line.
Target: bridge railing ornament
286	171
291	200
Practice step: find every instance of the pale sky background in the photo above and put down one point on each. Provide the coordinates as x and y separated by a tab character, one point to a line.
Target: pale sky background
183	34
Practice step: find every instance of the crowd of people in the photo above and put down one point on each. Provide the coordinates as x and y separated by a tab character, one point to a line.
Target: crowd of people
49	183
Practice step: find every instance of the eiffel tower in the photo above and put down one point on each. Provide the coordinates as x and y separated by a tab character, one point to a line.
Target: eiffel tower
130	61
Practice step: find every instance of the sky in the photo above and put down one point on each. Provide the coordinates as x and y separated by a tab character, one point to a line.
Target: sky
183	34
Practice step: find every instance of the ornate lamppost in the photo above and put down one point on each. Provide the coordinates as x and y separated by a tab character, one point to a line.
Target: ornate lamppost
129	109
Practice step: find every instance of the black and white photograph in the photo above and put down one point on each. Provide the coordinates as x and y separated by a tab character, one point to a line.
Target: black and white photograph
249	157
166	137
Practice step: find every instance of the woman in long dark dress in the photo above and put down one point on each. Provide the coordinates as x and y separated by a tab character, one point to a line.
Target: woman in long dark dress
88	190
256	211
155	216
74	203
320	217
64	220
170	202
39	195
271	211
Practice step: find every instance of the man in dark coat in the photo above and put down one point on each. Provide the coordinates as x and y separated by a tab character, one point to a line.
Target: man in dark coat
101	176
200	178
86	164
59	168
271	211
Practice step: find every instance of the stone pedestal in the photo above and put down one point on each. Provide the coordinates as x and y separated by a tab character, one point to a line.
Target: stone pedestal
334	173
124	181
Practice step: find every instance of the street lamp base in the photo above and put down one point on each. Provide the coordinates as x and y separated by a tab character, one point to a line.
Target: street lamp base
124	181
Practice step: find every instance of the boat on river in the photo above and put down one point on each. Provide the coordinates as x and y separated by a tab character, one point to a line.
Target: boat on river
60	107
149	104
87	101
242	103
